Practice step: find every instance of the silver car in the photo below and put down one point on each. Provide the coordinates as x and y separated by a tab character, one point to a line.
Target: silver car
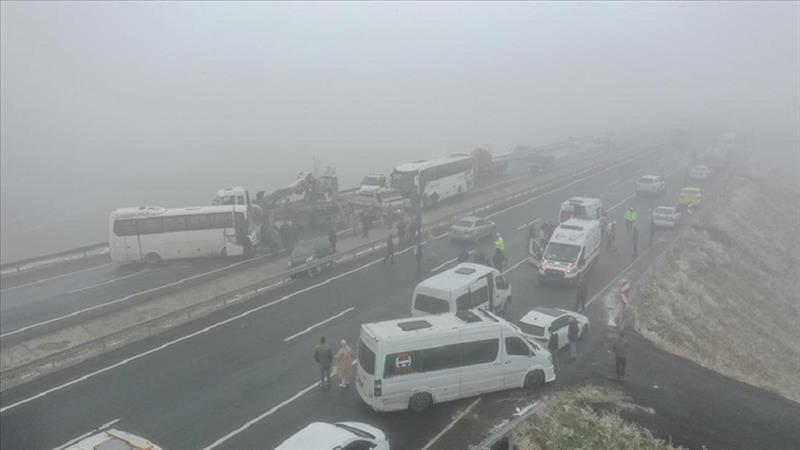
471	228
666	216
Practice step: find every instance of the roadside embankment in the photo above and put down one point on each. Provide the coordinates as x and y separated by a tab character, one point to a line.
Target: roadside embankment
729	297
588	417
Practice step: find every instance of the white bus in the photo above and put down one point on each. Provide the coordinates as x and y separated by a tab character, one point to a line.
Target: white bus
435	179
413	363
153	234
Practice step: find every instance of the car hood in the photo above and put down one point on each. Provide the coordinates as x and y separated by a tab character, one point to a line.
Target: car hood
368	428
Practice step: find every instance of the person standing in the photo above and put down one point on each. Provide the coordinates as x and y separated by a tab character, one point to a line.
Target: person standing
572	336
332	238
652	229
418	254
401	230
324	357
635	238
498	259
389	250
344	363
630	217
364	224
552	347
621	355
580	297
418	228
611	234
499	243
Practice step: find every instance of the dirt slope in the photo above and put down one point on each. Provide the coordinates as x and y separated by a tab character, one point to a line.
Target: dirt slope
730	297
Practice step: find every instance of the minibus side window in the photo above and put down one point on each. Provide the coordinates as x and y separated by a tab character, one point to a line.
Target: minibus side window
366	358
515	346
479	352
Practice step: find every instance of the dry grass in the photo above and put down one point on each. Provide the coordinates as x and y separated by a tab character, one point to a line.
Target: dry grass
730	297
572	420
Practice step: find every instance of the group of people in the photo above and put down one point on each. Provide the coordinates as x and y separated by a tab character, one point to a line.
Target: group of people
325	358
630	217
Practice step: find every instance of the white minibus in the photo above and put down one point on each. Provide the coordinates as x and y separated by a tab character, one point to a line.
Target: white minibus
416	362
463	287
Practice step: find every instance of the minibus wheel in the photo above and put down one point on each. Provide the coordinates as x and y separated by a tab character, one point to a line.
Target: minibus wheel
534	380
152	258
419	402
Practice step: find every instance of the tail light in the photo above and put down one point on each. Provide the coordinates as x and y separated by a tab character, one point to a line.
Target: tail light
378	388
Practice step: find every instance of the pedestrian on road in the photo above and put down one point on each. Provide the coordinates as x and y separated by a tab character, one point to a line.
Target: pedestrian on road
498	259
294	233
332	238
401	230
389	250
552	347
612	234
499	243
344	363
635	238
652	229
463	255
620	355
364	224
324	357
580	298
572	335
630	217
418	254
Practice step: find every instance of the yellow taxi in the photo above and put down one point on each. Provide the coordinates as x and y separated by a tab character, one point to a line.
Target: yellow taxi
690	196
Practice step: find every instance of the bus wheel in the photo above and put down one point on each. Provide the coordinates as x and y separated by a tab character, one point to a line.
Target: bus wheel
152	258
419	402
534	380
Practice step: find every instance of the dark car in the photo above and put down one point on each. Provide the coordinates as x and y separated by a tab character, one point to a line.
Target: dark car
307	252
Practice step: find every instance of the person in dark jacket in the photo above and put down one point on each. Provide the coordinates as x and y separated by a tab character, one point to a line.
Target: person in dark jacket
389	250
652	230
552	347
635	238
572	335
332	239
621	355
498	259
324	357
418	254
580	298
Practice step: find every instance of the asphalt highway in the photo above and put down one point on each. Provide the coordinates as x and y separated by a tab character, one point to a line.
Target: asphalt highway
244	378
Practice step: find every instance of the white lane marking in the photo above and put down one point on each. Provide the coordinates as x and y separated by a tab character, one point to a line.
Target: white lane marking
91	286
444	264
526	225
265	414
54	277
334	317
572	183
620	274
119	300
455	420
85	435
617	205
515	266
189	336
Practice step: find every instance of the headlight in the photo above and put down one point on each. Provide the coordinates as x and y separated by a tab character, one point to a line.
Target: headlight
309	259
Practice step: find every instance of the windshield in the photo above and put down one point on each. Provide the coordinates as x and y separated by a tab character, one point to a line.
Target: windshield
531	329
464	223
372	181
562	252
404	181
645	180
664	211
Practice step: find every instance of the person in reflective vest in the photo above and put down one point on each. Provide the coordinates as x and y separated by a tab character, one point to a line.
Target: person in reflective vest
630	218
499	243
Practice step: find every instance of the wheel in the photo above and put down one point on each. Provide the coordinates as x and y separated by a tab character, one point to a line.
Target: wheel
584	332
534	380
419	402
152	258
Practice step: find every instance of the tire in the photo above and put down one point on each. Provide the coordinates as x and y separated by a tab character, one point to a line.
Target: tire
534	380
152	258
419	402
584	332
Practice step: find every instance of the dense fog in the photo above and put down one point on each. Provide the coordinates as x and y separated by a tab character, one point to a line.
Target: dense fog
110	104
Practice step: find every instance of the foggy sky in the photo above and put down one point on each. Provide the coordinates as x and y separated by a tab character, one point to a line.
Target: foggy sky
114	104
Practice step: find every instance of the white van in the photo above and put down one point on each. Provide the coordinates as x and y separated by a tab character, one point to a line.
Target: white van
463	287
372	183
573	248
581	208
415	362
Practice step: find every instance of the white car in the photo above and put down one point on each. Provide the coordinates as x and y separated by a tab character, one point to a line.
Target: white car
538	322
666	216
112	439
700	172
337	436
471	228
372	183
651	184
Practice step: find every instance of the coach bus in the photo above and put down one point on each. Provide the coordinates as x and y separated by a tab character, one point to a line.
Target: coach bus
154	234
434	180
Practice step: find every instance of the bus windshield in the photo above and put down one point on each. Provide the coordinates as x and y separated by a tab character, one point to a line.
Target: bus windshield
404	181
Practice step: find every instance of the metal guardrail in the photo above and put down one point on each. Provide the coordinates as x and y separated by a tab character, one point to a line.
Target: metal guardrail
147	328
25	265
